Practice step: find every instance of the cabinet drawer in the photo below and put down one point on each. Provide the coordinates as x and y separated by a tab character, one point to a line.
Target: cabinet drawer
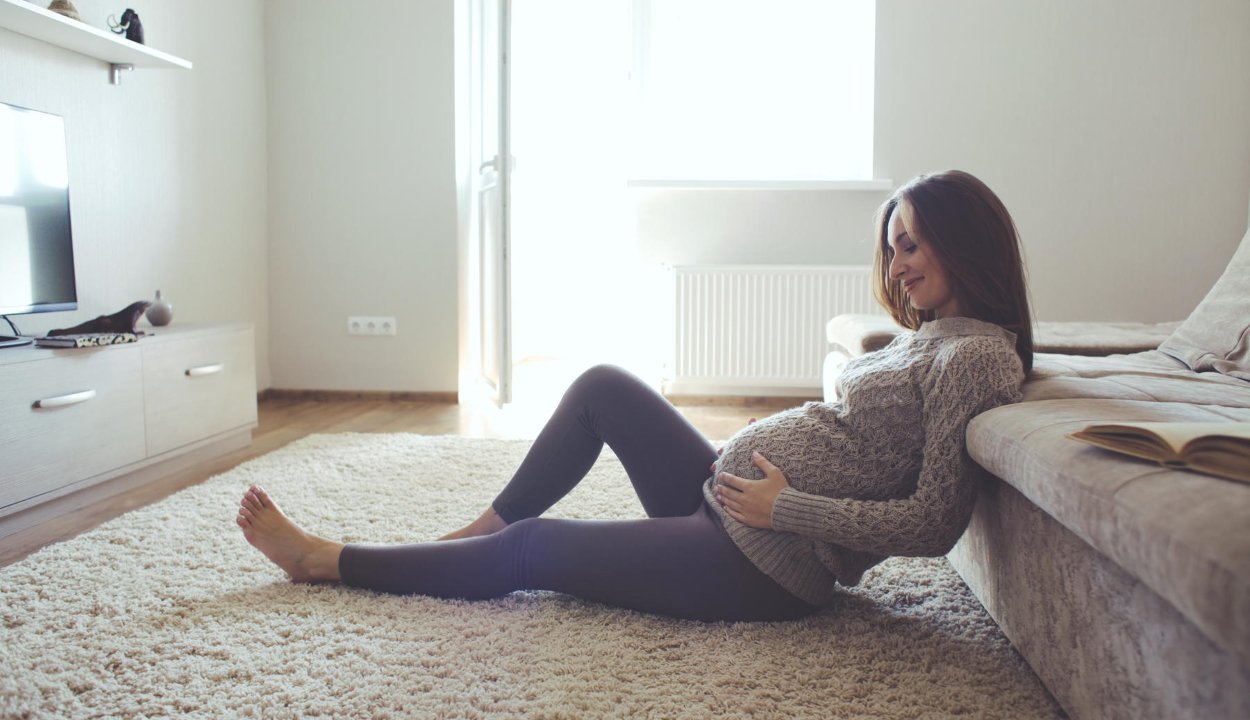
46	448
197	387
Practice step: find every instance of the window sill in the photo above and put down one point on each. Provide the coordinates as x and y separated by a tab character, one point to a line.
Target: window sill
875	185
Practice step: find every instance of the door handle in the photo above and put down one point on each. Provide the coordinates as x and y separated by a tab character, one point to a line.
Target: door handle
492	163
63	400
206	369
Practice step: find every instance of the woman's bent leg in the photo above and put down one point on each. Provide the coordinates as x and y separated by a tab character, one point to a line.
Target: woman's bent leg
666	458
685	567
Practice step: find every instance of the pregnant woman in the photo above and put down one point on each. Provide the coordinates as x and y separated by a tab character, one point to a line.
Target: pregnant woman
797	503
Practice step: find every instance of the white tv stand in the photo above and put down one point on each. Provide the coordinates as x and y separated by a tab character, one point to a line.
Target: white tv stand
85	423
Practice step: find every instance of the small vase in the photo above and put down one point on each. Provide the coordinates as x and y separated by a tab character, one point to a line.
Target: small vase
66	8
161	312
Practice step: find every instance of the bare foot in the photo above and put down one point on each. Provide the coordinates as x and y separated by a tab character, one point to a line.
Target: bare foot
304	556
487	524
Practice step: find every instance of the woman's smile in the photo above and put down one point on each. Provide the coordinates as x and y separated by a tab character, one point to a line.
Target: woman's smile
911	265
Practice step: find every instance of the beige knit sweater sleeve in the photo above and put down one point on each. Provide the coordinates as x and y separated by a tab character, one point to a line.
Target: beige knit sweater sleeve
967	378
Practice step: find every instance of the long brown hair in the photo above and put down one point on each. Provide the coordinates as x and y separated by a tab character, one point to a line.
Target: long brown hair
969	232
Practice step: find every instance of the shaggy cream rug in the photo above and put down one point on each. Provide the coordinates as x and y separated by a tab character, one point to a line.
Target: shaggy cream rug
168	611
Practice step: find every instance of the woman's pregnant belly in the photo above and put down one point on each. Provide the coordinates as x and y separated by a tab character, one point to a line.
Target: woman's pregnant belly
807	450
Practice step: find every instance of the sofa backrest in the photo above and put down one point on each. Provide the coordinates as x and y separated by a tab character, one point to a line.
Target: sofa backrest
1216	335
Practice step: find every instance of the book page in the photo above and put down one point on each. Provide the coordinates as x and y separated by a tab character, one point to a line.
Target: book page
1227	460
1132	441
1221	449
1176	434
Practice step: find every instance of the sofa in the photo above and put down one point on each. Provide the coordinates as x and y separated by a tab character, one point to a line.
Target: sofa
1124	585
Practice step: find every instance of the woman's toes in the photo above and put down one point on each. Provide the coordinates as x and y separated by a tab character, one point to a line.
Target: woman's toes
261	496
253	501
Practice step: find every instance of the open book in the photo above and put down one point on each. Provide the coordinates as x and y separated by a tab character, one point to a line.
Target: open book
1218	448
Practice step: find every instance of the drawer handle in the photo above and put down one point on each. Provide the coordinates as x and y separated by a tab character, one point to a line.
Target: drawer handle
206	369
63	400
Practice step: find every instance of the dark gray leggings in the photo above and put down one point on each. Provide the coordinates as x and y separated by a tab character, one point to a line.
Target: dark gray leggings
678	562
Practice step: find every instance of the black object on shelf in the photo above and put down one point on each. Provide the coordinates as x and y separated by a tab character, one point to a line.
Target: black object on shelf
130	25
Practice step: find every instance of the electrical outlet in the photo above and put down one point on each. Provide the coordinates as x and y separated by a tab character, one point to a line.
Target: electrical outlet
363	325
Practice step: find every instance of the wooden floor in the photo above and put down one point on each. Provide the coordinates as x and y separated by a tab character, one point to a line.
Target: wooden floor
282	421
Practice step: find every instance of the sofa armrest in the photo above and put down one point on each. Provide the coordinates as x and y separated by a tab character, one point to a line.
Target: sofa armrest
859	334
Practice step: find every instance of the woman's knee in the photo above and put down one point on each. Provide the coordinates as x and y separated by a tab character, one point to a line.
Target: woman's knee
517	530
530	548
603	378
604	372
526	536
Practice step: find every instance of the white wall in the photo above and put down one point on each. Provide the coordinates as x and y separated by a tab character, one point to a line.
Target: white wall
1115	132
167	170
363	194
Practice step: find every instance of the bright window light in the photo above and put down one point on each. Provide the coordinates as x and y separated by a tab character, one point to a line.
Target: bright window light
8	162
752	90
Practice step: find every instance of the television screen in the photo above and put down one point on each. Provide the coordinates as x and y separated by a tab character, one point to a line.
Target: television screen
36	248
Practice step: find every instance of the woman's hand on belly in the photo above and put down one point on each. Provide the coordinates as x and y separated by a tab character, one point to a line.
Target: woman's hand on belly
751	501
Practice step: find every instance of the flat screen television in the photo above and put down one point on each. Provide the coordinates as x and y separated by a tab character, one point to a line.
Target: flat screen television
36	242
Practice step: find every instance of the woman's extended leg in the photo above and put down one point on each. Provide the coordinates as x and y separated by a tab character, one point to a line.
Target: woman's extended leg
685	567
666	458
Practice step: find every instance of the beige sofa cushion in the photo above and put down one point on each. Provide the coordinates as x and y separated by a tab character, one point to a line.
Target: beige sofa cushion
1216	336
1100	338
1149	375
1183	534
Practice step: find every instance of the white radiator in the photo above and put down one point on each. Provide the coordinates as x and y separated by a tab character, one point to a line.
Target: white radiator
759	330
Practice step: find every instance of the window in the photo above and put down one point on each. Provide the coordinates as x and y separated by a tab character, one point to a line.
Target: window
752	90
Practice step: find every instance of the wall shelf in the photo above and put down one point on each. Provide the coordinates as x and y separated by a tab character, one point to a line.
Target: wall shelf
33	21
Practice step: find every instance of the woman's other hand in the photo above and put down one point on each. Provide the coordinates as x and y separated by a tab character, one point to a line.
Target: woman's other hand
720	450
751	501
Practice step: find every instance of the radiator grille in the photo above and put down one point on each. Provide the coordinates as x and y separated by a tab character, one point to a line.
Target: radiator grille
749	327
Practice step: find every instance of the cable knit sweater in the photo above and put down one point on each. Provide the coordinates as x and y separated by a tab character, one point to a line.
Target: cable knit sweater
883	470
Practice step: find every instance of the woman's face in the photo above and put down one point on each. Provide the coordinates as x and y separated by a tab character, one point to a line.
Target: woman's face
925	281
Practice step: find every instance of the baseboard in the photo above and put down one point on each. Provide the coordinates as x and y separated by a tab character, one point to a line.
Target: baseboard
450	398
770	400
766	402
740	390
